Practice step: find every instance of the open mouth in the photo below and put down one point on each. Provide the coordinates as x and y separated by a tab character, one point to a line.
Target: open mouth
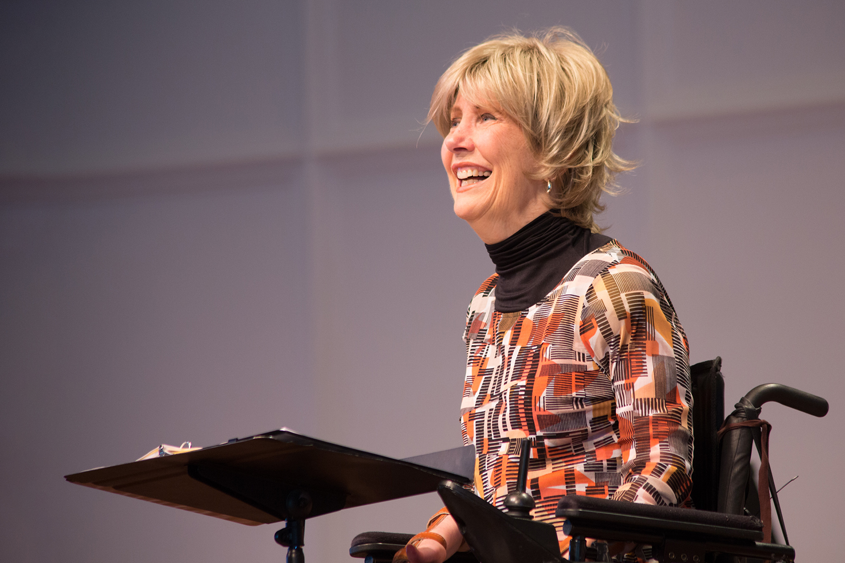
470	176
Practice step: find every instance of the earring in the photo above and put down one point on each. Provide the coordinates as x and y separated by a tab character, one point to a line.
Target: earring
548	186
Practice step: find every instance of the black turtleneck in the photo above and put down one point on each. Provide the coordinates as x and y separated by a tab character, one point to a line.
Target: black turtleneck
533	260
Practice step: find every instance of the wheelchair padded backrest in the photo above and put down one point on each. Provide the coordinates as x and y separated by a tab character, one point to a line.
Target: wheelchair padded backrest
708	413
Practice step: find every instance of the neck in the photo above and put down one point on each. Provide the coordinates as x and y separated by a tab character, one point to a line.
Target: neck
492	230
533	261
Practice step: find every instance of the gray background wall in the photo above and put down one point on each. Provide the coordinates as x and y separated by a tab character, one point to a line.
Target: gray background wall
218	219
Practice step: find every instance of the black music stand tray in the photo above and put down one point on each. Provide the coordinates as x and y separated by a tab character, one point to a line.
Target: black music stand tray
279	475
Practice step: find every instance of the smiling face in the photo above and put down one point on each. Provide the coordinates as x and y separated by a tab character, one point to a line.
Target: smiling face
488	160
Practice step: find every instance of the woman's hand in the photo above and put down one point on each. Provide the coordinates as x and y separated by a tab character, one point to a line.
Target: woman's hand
427	551
432	551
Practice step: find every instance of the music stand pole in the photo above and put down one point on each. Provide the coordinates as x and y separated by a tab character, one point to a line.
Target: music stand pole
292	536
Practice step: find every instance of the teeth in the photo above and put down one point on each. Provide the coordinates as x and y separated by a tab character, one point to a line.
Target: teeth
464	173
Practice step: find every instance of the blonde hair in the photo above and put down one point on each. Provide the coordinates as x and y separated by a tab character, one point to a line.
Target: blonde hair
558	91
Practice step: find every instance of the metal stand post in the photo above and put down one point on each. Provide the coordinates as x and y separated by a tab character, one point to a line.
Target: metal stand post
292	536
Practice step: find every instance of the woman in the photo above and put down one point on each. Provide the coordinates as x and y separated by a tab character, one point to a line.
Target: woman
573	342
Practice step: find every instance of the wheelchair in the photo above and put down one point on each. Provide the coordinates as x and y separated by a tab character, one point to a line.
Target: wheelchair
728	524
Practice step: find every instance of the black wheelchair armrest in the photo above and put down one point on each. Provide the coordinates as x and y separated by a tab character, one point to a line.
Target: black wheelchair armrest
675	533
645	523
378	546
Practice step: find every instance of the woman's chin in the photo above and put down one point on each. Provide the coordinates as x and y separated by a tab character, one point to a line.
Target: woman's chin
467	210
471	202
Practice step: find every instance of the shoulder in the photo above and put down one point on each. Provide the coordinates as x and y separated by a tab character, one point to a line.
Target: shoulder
486	288
614	279
481	308
621	298
606	257
484	298
597	265
611	262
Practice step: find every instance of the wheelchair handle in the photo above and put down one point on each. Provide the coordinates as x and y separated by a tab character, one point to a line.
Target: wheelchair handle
789	397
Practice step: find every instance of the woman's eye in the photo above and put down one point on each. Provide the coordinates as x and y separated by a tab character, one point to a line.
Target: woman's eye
454	122
488	117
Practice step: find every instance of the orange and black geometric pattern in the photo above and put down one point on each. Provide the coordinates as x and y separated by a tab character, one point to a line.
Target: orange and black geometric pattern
596	376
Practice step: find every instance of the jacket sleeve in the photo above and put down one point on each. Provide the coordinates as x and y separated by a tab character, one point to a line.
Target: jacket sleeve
630	328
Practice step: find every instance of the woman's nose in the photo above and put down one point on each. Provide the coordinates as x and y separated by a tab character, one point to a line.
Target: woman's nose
459	138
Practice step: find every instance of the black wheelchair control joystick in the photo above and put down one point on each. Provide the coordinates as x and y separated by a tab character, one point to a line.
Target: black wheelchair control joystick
519	503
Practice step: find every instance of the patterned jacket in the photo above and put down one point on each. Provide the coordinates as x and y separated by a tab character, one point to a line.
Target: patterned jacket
596	375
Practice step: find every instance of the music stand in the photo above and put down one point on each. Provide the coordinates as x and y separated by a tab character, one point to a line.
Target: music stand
279	475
